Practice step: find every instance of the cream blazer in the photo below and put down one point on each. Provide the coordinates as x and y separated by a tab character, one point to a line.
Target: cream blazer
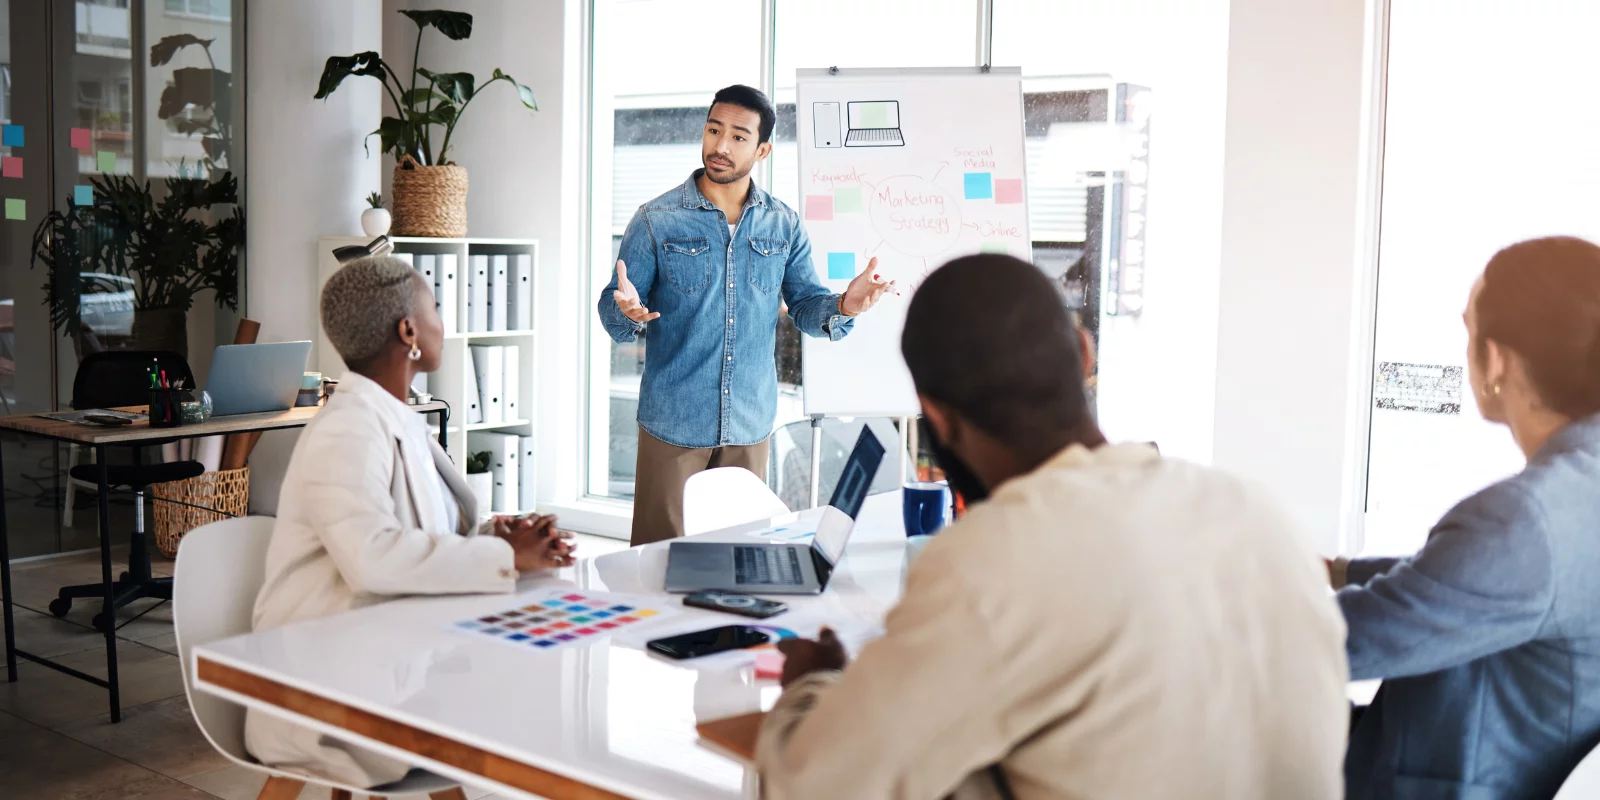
1113	625
355	528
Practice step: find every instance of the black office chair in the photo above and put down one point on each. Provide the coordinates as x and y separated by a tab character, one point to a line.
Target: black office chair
122	378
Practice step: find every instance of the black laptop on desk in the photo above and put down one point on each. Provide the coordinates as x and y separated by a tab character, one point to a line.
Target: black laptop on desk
783	568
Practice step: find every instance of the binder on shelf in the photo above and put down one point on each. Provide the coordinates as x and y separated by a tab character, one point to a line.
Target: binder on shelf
406	257
447	291
504	454
488	361
527	489
474	408
477	294
519	308
426	266
498	274
508	382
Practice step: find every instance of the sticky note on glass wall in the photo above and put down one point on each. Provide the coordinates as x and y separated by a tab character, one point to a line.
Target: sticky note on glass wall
1007	190
841	266
11	167
107	161
993	247
16	208
80	139
847	200
819	207
11	135
83	195
979	186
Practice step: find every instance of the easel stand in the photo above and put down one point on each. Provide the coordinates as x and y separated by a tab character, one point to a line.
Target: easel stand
906	438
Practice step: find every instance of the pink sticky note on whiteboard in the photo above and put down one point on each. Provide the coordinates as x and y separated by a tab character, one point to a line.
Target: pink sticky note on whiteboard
80	139
819	207
1007	190
11	167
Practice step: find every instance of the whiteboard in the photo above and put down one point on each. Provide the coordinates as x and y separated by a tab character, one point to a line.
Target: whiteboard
915	167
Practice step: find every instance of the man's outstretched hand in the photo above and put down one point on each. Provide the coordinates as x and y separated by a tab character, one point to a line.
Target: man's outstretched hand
864	290
627	298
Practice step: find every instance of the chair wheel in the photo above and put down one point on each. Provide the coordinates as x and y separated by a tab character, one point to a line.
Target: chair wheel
60	606
99	622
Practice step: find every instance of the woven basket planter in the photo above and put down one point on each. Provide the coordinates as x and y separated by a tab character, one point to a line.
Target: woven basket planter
429	201
220	495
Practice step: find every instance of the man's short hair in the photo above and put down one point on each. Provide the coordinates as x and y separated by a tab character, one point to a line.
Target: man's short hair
752	99
989	336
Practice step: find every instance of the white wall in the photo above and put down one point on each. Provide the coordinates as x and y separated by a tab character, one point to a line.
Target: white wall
1291	307
307	173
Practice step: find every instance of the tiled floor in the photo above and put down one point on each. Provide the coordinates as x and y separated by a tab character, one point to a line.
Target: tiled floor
56	738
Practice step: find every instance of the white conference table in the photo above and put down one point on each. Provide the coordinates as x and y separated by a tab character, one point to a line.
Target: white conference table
607	720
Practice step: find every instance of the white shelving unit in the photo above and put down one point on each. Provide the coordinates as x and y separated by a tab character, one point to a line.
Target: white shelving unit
450	381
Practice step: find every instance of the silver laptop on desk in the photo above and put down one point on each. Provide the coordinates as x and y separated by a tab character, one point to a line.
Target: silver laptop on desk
782	568
251	378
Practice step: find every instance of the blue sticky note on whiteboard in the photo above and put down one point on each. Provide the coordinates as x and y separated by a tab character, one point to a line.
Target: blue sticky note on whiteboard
979	186
841	266
11	135
83	195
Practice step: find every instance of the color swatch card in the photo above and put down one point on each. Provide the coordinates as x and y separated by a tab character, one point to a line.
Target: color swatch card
564	619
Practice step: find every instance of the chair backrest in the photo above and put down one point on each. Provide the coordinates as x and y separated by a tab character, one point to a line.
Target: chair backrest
111	378
1584	782
219	572
727	496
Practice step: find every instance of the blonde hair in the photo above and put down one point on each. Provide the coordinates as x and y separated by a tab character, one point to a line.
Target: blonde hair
363	303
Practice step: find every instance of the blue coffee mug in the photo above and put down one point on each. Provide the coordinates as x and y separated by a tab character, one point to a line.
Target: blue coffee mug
925	506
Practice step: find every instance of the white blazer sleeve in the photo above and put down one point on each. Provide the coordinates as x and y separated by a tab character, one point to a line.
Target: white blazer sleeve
349	504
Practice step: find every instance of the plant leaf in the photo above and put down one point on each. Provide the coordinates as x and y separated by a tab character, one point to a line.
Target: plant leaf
523	92
396	136
338	68
193	86
454	24
458	86
164	50
420	96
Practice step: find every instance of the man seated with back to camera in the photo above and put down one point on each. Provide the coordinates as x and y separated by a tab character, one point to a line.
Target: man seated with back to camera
1084	631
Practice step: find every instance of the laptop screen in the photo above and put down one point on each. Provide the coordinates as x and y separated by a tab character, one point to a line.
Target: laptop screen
874	114
856	479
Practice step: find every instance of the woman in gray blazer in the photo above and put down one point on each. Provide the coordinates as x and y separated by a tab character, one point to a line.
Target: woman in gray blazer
1488	639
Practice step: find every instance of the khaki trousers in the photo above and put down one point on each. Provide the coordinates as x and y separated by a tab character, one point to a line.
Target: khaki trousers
663	469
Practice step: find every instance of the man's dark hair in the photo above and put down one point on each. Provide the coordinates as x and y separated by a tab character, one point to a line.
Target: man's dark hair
1541	300
989	336
752	99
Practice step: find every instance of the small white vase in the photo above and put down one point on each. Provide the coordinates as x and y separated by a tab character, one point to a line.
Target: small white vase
482	486
375	221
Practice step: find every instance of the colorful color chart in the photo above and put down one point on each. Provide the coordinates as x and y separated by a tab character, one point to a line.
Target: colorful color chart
566	619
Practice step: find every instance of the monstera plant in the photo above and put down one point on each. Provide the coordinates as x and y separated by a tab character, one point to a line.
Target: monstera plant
198	100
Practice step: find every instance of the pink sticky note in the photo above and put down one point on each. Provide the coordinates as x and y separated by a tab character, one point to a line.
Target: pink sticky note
1007	190
819	207
80	139
11	167
769	665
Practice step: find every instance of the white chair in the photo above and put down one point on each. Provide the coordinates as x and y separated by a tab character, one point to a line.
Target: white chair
1584	782
218	574
727	496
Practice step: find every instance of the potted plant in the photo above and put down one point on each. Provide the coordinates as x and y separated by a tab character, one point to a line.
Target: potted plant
480	480
198	100
429	195
161	252
375	220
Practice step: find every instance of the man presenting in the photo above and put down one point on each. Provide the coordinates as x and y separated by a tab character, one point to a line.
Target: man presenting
714	258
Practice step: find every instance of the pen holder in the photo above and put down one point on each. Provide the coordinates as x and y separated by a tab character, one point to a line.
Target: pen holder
166	407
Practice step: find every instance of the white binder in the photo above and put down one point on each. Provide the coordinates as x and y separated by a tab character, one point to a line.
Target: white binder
406	257
497	292
426	266
508	382
477	294
505	450
526	499
488	361
519	308
447	291
474	410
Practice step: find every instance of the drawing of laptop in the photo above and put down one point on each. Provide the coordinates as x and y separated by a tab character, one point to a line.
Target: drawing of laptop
874	123
249	378
782	568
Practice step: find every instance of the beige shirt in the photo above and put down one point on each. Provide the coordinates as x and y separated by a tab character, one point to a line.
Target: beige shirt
359	523
1113	625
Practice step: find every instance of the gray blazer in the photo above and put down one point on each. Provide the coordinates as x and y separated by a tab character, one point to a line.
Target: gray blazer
1487	640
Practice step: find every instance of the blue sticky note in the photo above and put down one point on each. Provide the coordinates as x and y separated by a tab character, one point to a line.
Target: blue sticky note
83	195
11	135
979	186
841	266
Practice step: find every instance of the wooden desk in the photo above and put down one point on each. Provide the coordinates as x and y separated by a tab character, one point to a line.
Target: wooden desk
139	433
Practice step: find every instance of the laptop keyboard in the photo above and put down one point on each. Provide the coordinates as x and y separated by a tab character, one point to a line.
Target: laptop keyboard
874	136
766	565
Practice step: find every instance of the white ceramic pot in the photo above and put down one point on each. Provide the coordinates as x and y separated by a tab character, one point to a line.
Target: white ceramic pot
375	221
482	486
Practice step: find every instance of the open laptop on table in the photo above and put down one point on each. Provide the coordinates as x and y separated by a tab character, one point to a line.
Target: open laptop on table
251	378
782	568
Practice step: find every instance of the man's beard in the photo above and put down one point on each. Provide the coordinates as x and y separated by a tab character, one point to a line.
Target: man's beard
734	176
962	480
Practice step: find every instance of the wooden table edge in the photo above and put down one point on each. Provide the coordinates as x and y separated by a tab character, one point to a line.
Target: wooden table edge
411	739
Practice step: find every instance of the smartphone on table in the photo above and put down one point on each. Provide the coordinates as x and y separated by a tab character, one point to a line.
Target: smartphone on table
734	603
707	642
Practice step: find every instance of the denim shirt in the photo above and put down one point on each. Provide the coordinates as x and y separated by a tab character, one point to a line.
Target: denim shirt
709	374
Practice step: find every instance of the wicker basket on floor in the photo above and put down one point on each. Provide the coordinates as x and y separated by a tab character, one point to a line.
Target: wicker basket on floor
219	495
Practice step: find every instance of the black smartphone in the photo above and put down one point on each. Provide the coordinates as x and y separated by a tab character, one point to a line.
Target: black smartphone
733	603
704	643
